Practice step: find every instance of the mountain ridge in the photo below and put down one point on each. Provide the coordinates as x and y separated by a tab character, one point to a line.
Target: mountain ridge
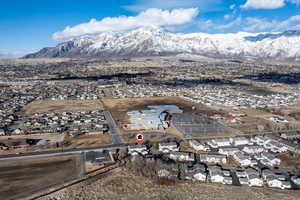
153	41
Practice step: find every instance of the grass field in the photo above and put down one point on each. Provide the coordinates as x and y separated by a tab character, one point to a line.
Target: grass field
49	106
21	176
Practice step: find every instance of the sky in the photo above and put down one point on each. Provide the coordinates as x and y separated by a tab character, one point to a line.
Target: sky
29	25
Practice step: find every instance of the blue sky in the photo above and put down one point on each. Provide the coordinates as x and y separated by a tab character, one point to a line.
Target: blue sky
28	25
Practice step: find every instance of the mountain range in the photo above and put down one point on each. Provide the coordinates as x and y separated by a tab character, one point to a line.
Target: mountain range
153	41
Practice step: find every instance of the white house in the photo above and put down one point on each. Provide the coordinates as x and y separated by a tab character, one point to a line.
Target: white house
241	141
222	142
272	160
241	173
273	182
255	149
216	177
198	146
255	180
227	180
212	158
182	156
228	150
196	172
286	185
243	180
168	147
137	149
242	159
200	175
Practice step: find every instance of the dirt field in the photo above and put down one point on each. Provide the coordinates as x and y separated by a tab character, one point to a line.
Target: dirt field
20	176
49	106
89	140
125	185
288	161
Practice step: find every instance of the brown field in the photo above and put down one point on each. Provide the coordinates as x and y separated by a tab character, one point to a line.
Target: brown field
209	135
20	177
126	185
88	140
49	106
289	161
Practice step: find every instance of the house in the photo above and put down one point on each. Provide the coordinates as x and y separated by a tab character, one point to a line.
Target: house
216	176
212	158
242	159
286	185
241	173
290	136
226	173
272	160
196	172
227	180
255	180
266	173
260	140
255	149
272	181
2	133
198	146
243	180
222	142
168	147
137	149
241	141
275	146
228	150
182	156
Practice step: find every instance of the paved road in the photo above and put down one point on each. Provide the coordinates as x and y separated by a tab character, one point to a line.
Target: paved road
100	148
113	129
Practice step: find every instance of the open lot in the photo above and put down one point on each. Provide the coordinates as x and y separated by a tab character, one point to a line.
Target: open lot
289	161
88	140
21	176
49	106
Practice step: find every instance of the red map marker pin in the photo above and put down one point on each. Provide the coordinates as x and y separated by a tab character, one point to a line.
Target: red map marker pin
139	138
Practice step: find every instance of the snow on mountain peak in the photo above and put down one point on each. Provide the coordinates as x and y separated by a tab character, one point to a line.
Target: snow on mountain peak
152	41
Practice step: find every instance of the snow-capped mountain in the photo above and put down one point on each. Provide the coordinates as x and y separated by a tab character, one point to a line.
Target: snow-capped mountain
155	41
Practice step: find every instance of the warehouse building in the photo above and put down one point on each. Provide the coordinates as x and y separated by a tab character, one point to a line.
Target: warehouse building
156	118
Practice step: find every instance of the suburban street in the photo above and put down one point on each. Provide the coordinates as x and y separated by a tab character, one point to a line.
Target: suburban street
113	129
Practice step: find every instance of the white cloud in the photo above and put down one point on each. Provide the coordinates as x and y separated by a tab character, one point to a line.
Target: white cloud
291	23
264	4
204	5
227	16
232	24
207	25
257	24
150	17
294	1
233	6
